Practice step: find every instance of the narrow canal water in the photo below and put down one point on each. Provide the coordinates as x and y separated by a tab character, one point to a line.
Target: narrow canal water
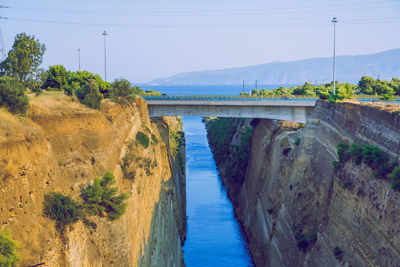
214	237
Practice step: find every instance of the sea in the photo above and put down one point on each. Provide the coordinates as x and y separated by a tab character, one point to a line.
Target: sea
210	89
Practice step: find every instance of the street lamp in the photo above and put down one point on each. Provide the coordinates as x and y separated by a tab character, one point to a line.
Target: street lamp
79	59
334	20
105	55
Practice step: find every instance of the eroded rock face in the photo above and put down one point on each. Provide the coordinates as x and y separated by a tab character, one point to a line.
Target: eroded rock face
292	189
62	145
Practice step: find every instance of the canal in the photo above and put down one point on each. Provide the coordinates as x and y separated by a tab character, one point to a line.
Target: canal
214	237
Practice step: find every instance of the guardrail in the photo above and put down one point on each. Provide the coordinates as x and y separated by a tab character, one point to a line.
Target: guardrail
236	98
258	98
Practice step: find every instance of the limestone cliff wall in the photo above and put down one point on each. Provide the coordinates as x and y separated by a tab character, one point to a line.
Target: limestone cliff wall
292	188
62	145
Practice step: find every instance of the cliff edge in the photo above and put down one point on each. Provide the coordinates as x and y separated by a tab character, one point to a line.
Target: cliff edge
297	210
60	147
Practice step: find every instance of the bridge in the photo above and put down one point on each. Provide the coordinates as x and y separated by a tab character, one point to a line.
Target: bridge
239	107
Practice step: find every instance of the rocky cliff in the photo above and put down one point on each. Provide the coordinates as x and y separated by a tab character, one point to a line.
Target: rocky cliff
61	146
298	211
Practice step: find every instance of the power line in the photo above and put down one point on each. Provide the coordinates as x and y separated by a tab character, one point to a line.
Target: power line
288	10
212	26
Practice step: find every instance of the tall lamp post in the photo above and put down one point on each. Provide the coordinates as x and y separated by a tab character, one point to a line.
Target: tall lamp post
79	59
334	20
105	55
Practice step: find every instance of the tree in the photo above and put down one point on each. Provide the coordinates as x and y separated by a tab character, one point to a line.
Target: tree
12	95
84	77
122	90
344	91
8	249
89	95
62	209
24	58
56	78
101	199
366	85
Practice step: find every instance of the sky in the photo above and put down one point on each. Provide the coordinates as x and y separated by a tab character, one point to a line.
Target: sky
150	39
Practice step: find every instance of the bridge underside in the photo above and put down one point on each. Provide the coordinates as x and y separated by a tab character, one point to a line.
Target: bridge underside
289	113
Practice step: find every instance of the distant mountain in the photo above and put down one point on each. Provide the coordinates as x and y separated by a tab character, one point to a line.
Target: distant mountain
316	70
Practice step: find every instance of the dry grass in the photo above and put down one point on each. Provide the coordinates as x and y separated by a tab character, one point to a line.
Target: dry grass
16	128
390	107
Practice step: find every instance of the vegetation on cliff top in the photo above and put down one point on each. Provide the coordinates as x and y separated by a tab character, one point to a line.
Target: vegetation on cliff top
371	156
22	64
8	249
384	90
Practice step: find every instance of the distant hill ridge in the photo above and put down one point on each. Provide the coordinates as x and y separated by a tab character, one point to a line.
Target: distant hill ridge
316	70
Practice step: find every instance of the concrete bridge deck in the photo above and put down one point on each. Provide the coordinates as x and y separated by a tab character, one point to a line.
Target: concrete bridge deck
281	109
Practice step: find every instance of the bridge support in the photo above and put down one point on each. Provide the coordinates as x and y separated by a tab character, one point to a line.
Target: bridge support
295	113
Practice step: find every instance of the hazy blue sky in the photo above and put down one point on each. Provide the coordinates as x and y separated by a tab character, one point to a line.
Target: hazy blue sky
157	38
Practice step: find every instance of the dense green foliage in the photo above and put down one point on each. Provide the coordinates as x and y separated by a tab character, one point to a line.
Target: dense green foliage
89	95
62	209
142	139
220	133
366	86
79	78
12	95
122	91
56	78
100	199
24	58
371	156
8	249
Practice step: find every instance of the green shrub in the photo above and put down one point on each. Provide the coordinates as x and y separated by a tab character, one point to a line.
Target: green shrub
142	139
342	151
356	152
100	199
62	209
297	141
89	95
12	95
56	78
396	112
8	249
122	91
373	156
395	179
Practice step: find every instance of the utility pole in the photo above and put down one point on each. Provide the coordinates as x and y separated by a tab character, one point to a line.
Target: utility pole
79	59
2	47
243	87
105	55
334	20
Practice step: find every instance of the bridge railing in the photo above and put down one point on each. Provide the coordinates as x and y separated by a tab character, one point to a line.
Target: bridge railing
363	98
224	97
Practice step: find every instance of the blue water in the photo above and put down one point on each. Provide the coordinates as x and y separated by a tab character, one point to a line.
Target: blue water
208	89
214	237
